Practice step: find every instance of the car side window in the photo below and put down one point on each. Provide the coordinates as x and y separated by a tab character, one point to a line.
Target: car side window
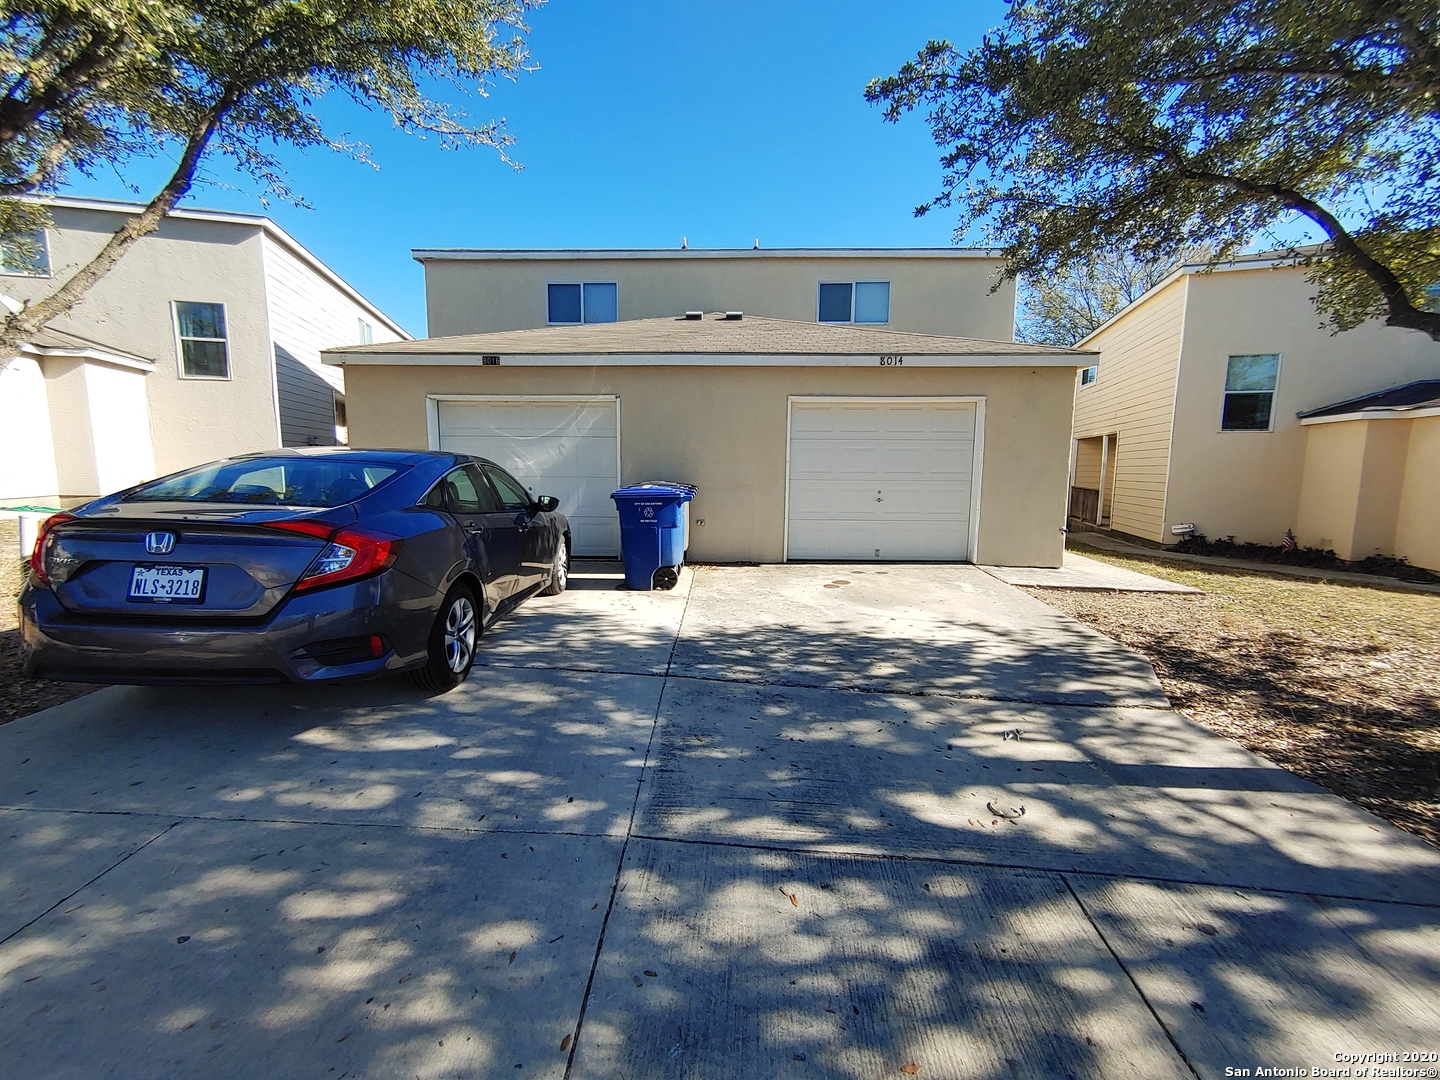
457	492
489	504
512	493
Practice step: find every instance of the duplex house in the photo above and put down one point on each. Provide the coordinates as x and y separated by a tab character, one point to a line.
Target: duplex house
828	403
1218	402
203	341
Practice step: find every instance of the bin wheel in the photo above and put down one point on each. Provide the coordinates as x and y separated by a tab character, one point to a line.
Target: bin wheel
667	577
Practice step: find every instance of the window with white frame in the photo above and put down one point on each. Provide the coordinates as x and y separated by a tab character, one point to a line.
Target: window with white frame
367	333
1250	392
582	302
1089	375
854	301
25	254
203	345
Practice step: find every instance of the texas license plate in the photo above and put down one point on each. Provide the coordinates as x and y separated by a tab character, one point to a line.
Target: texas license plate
168	584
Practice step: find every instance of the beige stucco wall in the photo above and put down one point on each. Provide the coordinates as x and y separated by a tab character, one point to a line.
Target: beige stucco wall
1372	487
193	420
1417	526
929	295
1133	398
724	430
1248	483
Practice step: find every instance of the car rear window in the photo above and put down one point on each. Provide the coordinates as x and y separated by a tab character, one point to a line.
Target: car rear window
270	482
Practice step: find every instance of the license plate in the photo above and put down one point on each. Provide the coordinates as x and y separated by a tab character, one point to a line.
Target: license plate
168	584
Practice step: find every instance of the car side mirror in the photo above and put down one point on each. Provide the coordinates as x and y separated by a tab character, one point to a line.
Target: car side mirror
547	504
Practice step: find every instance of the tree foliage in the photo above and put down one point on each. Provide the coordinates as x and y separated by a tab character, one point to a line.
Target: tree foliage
1073	302
1083	127
87	85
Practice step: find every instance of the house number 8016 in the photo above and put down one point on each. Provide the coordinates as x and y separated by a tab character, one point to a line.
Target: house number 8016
891	361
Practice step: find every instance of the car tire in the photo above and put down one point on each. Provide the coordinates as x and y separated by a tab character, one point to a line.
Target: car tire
453	639
559	570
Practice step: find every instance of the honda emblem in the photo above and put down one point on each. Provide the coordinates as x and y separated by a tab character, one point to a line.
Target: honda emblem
160	543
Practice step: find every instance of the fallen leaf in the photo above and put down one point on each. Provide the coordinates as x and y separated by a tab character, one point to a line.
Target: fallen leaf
651	974
342	1038
637	980
911	1069
182	939
794	900
565	1043
406	977
512	959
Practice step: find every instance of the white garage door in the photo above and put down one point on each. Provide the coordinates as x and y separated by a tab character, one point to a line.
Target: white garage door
881	479
566	447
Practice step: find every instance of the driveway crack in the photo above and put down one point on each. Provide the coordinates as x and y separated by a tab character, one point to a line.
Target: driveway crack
66	899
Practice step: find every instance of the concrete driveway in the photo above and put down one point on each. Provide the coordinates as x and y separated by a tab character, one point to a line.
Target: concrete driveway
794	821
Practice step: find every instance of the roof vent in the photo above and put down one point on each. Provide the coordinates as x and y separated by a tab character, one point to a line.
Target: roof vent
694	314
733	315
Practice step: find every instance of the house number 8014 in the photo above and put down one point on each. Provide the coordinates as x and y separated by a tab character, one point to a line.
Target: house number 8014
891	361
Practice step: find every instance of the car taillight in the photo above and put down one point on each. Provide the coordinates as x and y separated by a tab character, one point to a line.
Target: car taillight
305	527
37	556
350	554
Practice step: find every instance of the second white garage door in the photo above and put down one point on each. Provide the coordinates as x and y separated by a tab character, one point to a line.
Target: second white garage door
566	447
881	479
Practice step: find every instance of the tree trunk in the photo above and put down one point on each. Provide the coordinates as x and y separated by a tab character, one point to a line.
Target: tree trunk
18	327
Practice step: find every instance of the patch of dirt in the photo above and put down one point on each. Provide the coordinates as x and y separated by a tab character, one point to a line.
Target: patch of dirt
20	696
1338	683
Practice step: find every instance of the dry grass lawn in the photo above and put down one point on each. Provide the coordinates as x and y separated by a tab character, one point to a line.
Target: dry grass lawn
1336	682
18	696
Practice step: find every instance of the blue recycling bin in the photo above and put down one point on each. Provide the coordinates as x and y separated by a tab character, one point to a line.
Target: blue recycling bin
654	532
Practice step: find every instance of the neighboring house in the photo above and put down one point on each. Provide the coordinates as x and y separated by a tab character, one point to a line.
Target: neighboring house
1207	405
203	341
827	404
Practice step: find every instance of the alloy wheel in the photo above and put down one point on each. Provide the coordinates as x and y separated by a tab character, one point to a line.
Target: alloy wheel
460	634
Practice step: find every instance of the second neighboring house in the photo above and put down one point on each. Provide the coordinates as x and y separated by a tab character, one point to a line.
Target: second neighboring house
1220	402
202	342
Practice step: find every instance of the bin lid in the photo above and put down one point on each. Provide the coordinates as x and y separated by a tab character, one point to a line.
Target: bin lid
653	488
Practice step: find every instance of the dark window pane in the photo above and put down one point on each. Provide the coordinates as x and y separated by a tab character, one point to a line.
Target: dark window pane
200	320
602	302
512	492
269	481
835	302
1246	412
489	504
564	304
205	359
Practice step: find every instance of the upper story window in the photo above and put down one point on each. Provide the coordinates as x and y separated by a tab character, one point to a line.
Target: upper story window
367	333
1250	392
583	302
855	301
26	254
204	348
1089	375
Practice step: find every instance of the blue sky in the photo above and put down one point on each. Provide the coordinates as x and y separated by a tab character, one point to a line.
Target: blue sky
646	121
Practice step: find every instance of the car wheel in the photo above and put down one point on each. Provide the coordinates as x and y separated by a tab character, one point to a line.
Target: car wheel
452	642
559	570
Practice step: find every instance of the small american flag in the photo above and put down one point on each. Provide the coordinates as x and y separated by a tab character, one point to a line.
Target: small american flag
1289	543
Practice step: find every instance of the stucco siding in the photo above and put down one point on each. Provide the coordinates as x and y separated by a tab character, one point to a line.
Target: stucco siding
1133	398
725	430
1248	483
1417	527
927	295
129	309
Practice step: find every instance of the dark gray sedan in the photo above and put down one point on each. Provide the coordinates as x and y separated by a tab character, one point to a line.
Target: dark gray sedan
305	565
